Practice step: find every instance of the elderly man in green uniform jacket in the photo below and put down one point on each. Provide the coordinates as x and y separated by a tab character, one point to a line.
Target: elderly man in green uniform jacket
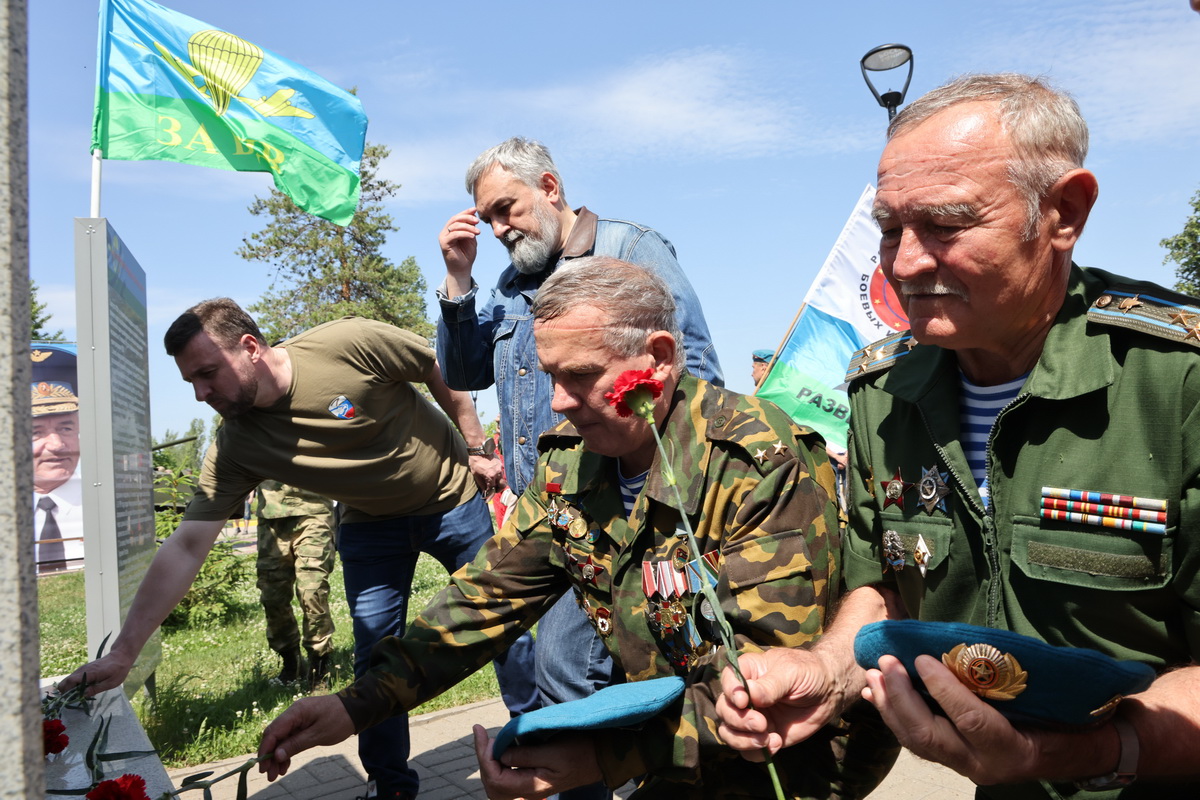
295	556
1000	455
598	520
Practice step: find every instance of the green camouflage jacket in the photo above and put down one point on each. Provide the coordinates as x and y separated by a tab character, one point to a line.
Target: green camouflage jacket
277	500
759	494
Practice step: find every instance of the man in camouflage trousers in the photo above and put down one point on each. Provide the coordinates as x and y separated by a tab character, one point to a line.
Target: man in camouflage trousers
599	519
295	554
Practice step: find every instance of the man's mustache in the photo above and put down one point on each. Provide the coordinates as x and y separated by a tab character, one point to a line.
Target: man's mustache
930	286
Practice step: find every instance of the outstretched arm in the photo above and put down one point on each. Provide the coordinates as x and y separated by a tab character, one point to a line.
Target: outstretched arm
170	576
310	722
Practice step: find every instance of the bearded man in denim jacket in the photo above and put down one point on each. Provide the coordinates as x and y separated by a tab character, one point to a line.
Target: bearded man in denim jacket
518	192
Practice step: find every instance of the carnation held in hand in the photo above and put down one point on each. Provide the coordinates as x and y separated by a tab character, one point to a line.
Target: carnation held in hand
634	393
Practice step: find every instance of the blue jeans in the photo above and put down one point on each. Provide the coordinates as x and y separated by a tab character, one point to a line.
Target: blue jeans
378	561
572	663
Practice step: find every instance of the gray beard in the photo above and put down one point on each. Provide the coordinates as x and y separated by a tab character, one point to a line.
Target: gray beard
530	252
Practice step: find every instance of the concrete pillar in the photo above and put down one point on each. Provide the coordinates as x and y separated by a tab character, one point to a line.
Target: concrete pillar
21	770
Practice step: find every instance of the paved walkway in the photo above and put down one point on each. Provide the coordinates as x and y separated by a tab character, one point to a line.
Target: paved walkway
444	756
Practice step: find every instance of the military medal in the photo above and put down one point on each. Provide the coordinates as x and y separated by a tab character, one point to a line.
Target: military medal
649	586
679	558
1105	510
577	528
706	610
589	570
893	550
603	619
893	490
921	554
932	489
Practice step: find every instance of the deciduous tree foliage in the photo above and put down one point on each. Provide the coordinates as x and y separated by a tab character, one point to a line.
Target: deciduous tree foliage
1184	249
323	271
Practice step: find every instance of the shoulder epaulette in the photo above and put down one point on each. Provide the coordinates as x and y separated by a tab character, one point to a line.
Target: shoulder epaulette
881	355
1149	309
563	435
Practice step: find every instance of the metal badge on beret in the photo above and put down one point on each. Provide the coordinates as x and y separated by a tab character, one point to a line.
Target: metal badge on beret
986	671
932	489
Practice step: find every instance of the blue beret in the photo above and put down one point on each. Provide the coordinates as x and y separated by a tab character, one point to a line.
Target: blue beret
763	355
616	706
1024	678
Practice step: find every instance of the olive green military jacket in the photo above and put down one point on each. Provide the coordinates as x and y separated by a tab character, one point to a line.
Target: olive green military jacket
758	492
1111	406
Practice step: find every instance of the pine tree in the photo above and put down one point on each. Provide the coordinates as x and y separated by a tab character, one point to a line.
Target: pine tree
40	318
323	271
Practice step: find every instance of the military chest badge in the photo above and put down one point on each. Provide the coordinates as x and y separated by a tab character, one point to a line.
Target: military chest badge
893	490
1105	510
341	407
893	550
921	554
932	489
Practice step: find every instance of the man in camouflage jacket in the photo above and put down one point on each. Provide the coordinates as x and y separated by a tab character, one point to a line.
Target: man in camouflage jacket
295	555
758	493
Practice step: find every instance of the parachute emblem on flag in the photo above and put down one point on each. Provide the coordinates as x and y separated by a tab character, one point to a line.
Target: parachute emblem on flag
222	64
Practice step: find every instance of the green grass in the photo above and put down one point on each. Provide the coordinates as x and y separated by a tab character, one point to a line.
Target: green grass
213	695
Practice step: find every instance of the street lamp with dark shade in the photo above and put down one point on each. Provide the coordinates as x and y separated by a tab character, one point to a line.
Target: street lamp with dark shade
884	58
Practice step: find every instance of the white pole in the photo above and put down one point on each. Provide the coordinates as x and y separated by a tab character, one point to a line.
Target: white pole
97	159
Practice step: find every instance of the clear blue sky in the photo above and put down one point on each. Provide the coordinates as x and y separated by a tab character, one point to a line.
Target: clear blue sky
743	132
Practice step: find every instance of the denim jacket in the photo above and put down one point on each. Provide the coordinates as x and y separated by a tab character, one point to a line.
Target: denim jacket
496	345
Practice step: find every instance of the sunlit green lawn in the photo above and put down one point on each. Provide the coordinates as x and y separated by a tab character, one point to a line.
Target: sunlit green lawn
213	693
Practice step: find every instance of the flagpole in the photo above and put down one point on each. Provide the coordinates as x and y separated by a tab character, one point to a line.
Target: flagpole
782	342
97	160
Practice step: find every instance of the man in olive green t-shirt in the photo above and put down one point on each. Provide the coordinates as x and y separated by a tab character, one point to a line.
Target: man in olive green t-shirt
332	410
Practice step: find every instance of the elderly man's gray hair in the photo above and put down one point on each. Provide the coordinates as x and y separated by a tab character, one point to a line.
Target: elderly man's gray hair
527	159
1047	131
636	301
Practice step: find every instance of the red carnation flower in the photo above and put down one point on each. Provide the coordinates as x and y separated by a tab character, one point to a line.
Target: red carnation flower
54	736
634	392
126	787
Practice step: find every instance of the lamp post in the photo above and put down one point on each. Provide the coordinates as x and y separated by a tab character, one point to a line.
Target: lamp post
883	58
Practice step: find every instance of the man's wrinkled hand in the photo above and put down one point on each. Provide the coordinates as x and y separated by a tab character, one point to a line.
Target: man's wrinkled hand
791	696
311	722
535	771
973	739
